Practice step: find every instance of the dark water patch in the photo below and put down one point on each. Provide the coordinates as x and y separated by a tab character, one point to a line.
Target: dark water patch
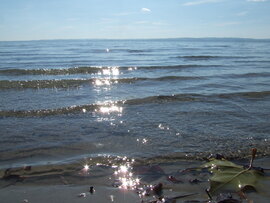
218	46
252	61
71	83
8	53
137	50
62	71
200	57
164	99
248	75
176	78
250	95
4	84
48	112
110	50
209	57
94	50
31	56
196	97
177	66
36	84
89	70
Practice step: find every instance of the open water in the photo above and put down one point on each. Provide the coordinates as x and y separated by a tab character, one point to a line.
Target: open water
65	100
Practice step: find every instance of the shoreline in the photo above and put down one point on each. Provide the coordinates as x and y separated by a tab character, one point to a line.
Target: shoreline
74	186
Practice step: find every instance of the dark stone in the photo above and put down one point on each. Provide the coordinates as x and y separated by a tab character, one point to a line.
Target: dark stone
91	190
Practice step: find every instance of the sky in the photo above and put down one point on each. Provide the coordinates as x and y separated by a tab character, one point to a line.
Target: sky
128	19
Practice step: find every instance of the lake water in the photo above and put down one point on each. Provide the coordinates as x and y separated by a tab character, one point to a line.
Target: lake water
62	101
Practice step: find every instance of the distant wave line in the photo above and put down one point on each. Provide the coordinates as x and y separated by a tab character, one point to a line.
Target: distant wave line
88	69
73	83
122	103
208	57
70	83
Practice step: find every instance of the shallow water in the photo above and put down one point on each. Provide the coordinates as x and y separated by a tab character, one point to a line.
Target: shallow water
64	100
122	180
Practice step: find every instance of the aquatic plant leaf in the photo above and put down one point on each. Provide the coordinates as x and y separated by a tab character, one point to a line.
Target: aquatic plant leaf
213	163
231	177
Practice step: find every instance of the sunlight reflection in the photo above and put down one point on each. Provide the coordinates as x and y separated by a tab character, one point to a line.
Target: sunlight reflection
132	68
101	82
85	170
110	71
86	167
115	71
107	77
163	127
109	109
143	141
125	178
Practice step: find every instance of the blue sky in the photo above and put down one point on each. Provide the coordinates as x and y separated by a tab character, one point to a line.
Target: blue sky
118	19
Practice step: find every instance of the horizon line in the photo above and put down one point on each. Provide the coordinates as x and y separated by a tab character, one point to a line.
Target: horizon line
158	38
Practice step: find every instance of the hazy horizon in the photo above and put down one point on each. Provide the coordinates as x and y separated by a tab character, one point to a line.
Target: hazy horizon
169	38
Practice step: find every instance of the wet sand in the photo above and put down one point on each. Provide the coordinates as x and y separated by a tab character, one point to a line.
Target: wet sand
64	193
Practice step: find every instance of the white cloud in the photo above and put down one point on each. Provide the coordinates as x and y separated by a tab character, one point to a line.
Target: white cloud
145	10
193	3
257	0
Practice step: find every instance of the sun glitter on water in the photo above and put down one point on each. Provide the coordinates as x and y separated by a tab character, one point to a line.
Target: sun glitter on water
125	179
85	170
110	71
110	109
110	77
86	167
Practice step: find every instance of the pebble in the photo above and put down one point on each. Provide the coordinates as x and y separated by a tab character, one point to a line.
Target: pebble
91	190
82	195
